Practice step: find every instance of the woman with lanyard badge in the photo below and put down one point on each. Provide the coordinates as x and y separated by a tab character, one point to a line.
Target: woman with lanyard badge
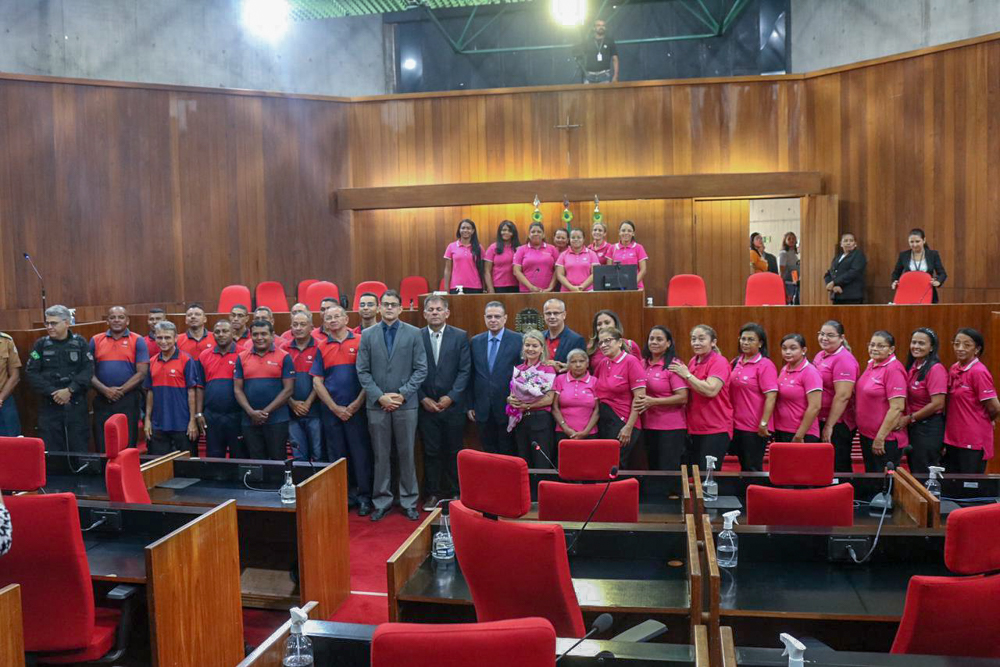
920	258
972	407
800	393
498	263
753	388
463	265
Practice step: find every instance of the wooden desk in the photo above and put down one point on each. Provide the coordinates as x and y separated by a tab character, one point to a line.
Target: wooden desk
11	627
83	474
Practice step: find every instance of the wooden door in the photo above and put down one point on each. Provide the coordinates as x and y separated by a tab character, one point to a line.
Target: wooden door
819	239
721	236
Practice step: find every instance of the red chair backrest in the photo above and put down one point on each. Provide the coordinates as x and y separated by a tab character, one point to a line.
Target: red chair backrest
525	642
123	477
22	464
272	295
410	289
232	295
950	616
318	291
828	506
376	287
300	292
800	463
914	287
559	501
588	460
686	289
49	562
494	484
115	435
765	289
972	540
489	551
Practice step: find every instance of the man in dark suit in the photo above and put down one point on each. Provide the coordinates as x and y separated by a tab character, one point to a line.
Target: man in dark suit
442	400
559	337
495	352
391	366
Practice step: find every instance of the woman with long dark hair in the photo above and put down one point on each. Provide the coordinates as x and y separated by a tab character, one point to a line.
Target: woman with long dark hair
972	407
753	388
535	262
498	262
603	319
926	391
920	257
839	370
662	407
758	263
788	266
881	390
463	266
800	393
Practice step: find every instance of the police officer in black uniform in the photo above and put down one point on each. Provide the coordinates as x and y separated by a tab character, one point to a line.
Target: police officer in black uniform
59	368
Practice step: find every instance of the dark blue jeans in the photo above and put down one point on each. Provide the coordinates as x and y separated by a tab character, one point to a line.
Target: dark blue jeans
306	435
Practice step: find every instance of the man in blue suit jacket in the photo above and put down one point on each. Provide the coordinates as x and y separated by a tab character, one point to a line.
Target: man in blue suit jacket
494	355
442	400
560	338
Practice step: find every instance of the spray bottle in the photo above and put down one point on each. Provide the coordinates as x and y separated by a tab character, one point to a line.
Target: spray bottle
287	490
710	488
934	481
727	548
298	648
794	649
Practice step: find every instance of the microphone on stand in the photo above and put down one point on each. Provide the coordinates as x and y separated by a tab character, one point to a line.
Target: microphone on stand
612	474
538	448
35	269
601	624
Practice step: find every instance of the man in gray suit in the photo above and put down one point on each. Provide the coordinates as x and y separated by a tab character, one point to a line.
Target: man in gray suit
391	366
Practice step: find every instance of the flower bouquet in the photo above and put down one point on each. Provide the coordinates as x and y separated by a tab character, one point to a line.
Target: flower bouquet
527	386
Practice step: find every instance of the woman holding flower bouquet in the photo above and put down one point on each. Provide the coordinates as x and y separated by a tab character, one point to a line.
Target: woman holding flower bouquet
529	406
621	380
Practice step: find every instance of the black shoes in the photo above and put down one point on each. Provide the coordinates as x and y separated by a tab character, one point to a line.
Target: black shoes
412	514
379	514
364	509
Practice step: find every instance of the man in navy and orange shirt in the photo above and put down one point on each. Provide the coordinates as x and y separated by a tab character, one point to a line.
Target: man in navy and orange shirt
196	339
219	415
263	382
170	396
335	378
155	316
121	362
305	429
239	316
265	313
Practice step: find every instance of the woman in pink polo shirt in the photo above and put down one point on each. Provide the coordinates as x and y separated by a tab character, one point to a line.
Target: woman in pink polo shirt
599	243
926	390
972	407
709	410
575	267
560	239
530	401
662	407
535	262
753	388
602	320
628	251
620	381
839	369
498	262
800	394
463	266
575	409
881	390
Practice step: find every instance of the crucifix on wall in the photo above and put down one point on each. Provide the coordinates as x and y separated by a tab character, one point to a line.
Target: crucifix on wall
567	126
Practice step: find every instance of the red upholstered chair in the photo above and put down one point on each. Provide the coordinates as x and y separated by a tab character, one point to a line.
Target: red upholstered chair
22	464
686	289
488	550
958	616
318	291
300	292
800	463
122	475
590	461
765	289
410	289
49	562
826	506
376	287
914	287
233	295
525	642
272	294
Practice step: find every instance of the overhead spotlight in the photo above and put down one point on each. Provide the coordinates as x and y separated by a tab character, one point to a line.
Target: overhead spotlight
409	63
266	19
569	12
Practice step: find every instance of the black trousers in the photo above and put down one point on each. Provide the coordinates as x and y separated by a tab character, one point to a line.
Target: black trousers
222	434
468	290
707	444
536	427
442	434
269	441
609	425
127	405
958	460
495	438
665	449
876	462
164	442
750	449
512	289
785	436
64	428
926	443
842	439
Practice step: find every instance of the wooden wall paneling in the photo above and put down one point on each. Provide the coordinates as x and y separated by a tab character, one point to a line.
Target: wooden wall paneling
407	559
323	544
819	236
11	627
722	241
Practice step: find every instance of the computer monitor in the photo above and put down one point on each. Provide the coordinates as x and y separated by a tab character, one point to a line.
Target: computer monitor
616	277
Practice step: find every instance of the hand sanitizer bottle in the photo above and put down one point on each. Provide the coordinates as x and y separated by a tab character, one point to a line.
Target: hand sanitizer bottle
287	491
710	488
298	648
794	649
727	548
934	481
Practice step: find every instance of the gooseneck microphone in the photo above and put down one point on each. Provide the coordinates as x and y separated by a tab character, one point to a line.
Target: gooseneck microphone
538	448
601	624
35	269
612	474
